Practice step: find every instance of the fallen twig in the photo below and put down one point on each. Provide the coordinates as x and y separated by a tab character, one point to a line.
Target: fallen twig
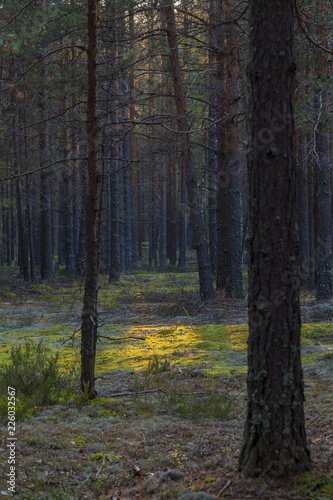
119	394
114	339
226	486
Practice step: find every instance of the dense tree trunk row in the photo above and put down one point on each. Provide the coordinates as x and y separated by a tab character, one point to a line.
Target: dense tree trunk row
171	110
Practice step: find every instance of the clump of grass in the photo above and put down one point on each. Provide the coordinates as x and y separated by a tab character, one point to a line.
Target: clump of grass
35	373
156	365
208	402
196	399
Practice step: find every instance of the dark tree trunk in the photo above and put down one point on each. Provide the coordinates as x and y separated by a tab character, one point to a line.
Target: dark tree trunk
311	207
30	224
152	234
303	207
114	272
67	203
89	310
197	222
171	212
212	137
22	233
134	171
274	436
23	243
80	264
229	208
182	219
45	235
163	215
323	176
127	201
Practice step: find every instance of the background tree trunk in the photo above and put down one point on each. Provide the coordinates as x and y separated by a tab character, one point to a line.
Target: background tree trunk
229	206
197	223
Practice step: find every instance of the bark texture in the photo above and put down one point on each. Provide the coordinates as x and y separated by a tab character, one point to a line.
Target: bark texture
274	438
89	311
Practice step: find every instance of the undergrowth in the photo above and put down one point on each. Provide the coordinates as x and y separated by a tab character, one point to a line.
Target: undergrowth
206	398
36	375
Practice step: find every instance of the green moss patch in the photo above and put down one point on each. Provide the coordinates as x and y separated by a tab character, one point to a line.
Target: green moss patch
316	485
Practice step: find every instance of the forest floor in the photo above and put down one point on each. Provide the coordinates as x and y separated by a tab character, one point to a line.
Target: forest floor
169	416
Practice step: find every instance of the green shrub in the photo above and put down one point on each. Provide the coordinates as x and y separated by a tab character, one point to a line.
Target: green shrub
34	372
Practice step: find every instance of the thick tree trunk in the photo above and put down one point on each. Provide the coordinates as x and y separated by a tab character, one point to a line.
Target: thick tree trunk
274	437
89	322
197	223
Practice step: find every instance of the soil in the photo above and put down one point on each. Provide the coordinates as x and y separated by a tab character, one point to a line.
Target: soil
143	438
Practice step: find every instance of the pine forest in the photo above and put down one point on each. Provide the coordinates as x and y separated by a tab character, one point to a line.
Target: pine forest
166	287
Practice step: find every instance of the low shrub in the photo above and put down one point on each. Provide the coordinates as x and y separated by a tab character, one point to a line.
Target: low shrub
36	375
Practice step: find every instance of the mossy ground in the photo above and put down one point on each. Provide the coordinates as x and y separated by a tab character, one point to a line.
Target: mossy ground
184	411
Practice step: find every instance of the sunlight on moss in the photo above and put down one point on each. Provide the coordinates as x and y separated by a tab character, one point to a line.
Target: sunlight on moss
317	332
181	345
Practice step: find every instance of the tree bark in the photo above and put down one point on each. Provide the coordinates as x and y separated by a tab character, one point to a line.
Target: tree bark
89	321
274	436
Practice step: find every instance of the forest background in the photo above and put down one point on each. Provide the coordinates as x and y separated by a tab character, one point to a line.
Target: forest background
155	131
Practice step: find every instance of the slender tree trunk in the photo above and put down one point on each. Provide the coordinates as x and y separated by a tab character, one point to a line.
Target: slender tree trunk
45	236
114	273
89	311
274	436
212	137
134	171
80	259
311	207
229	208
171	211
323	194
30	225
163	214
67	202
303	207
22	233
205	277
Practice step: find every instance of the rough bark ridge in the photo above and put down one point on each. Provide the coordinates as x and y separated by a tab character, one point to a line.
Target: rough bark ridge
274	438
89	310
